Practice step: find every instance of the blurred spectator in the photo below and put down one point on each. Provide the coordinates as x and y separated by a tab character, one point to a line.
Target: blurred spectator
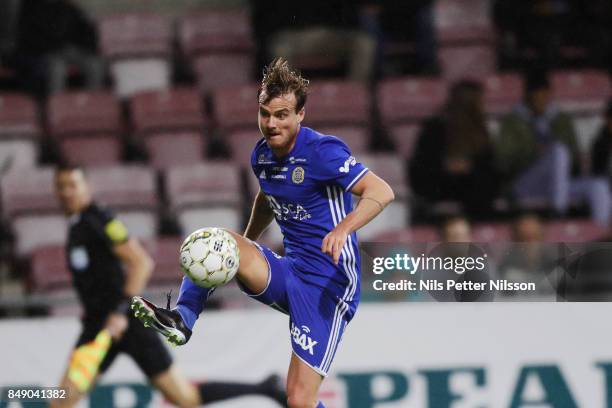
319	28
398	23
453	159
528	259
538	30
456	229
602	148
53	36
8	25
538	153
539	26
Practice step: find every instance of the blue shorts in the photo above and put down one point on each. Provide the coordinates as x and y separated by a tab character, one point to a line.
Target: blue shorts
317	317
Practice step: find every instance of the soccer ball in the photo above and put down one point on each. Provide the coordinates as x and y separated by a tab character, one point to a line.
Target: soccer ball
210	257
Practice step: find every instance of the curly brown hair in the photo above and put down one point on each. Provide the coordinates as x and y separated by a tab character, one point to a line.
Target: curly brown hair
280	79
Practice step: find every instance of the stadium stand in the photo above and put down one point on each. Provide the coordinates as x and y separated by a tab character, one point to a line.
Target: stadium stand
233	107
19	131
48	269
86	125
131	192
574	231
138	47
205	194
392	169
218	71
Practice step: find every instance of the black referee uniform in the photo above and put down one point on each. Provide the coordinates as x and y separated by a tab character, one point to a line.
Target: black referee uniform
99	280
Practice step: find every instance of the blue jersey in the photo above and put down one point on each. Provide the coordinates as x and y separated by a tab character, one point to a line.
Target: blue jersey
309	193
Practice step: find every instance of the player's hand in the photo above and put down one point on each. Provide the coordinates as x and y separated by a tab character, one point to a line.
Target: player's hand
334	242
116	324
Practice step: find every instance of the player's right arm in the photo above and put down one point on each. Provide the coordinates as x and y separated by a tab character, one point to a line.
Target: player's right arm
261	217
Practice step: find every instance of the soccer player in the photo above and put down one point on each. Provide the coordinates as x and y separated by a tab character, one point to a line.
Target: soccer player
108	268
307	180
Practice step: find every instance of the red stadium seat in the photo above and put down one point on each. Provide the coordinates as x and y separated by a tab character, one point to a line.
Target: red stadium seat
124	187
135	35
390	168
215	31
165	254
338	103
205	195
49	270
574	231
356	137
463	21
241	144
405	138
502	92
582	92
410	99
167	149
18	116
17	154
467	62
178	108
91	150
36	230
75	113
236	107
28	191
217	71
212	183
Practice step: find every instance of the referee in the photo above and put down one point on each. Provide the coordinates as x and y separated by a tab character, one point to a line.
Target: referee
108	267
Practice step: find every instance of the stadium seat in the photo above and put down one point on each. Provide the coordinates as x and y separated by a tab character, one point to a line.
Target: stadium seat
501	93
28	191
17	154
18	117
135	35
356	137
216	31
217	71
140	223
404	138
164	252
178	108
173	148
390	168
139	47
574	231
76	113
207	194
94	150
236	107
36	230
48	269
467	62
124	187
191	219
405	100
241	144
332	103
211	183
581	92
462	21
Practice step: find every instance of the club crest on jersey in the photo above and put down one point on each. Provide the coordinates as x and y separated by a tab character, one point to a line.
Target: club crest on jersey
349	162
301	338
297	176
261	159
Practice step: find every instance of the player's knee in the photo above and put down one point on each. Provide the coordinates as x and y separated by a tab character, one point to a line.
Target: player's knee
298	398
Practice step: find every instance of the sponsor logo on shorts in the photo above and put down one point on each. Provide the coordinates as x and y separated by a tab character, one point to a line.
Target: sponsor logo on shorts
300	335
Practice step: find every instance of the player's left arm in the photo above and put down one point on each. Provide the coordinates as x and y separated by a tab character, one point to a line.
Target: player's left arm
375	195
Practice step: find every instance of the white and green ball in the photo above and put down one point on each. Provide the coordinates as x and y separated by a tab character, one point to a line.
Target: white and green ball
210	257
